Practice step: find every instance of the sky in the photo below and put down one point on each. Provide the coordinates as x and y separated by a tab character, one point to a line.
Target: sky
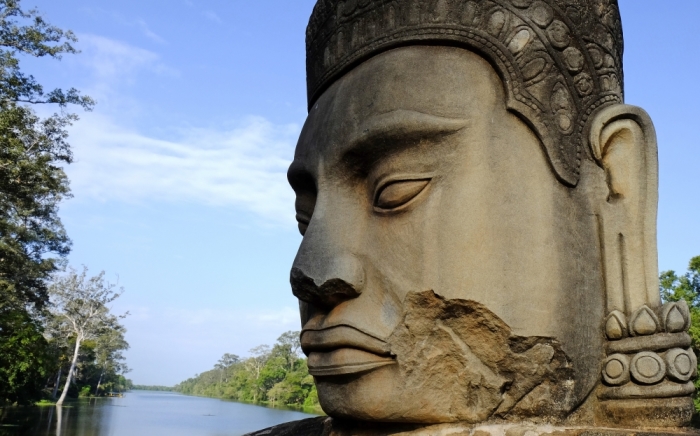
179	183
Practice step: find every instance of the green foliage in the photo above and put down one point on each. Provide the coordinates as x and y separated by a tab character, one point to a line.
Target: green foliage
32	150
33	242
24	357
686	287
80	310
275	376
152	388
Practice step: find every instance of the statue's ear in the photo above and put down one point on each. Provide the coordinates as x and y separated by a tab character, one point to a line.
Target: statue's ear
623	142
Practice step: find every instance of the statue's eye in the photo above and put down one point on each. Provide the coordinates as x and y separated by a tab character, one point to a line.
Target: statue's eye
398	193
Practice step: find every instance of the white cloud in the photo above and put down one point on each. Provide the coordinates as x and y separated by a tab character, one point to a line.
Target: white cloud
242	167
113	62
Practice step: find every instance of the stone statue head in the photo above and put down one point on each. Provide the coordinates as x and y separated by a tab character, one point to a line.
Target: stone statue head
478	211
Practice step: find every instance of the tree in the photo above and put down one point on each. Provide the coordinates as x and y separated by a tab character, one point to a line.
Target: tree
256	362
82	303
33	242
24	357
226	362
258	358
686	287
32	182
108	356
290	345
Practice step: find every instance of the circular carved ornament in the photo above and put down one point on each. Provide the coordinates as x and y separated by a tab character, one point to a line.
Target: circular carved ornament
680	364
647	368
616	370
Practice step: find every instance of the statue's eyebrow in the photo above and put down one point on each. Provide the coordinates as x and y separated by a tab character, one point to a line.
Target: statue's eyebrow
393	131
379	136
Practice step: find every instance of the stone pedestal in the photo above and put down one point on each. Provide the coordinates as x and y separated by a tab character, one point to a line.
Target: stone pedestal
324	426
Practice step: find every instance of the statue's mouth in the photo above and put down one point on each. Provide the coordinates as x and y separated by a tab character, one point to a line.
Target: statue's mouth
341	350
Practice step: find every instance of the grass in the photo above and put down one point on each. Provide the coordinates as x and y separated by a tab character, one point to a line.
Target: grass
44	403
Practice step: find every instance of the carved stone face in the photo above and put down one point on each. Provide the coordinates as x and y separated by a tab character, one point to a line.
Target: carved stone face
411	176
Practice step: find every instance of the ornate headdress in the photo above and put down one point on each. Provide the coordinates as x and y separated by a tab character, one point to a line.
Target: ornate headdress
560	60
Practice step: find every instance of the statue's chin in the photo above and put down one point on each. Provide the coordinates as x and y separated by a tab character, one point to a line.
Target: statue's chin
380	395
368	396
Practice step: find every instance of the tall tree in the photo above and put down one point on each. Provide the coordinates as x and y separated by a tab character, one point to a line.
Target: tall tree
226	362
32	182
33	242
289	344
256	362
83	303
108	353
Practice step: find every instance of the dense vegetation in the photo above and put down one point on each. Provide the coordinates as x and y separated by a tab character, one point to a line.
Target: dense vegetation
153	388
275	376
33	243
75	343
37	345
686	287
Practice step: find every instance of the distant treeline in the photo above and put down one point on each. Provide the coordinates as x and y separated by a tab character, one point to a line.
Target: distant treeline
275	376
152	388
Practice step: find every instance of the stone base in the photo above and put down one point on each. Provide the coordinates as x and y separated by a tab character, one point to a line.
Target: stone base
324	426
648	412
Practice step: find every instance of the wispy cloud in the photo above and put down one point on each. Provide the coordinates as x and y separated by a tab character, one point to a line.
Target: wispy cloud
243	166
125	20
114	62
211	15
148	32
239	165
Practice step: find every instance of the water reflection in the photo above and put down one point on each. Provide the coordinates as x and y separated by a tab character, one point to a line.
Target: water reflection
143	413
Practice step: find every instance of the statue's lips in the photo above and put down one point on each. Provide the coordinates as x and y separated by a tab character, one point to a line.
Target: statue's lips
343	350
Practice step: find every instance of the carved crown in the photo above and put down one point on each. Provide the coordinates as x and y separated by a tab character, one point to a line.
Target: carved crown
560	60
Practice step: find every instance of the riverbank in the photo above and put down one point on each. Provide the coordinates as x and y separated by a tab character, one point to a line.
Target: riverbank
313	410
272	376
144	413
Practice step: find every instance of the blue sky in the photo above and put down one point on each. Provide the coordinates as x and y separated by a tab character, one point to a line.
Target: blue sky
179	178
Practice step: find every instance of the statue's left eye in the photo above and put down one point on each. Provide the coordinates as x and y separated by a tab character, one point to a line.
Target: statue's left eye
396	194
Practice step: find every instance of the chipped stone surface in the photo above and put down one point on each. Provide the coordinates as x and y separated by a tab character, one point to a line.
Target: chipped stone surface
461	351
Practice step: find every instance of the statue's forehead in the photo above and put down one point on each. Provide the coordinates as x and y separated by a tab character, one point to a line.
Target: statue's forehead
442	82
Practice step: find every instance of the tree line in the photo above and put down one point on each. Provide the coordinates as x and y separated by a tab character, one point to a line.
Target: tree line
71	347
276	376
57	332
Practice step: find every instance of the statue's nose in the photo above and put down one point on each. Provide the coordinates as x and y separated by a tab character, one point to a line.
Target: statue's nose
327	281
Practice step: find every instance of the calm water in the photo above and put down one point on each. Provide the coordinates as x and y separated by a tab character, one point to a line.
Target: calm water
143	413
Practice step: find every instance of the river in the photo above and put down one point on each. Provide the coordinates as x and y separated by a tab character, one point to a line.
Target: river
143	413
